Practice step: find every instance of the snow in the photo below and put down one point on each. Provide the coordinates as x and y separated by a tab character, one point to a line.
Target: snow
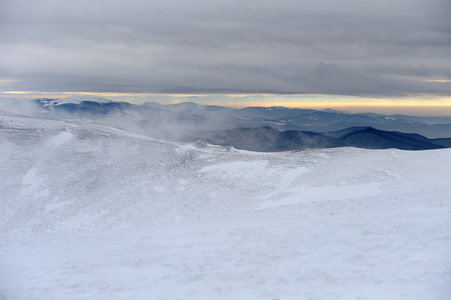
31	178
91	212
77	100
282	123
60	139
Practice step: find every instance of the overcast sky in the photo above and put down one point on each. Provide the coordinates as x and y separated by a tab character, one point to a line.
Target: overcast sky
334	47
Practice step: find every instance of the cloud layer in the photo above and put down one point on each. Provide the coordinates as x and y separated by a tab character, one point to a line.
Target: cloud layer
350	47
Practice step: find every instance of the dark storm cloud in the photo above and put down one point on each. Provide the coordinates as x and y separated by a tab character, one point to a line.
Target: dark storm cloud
351	47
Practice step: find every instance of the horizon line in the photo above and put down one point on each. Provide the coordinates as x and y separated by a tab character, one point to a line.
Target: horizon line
416	104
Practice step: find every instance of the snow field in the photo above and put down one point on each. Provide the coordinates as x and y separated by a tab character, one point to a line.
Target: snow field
89	212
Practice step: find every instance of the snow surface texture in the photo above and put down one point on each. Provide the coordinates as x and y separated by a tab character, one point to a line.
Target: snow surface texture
76	100
91	212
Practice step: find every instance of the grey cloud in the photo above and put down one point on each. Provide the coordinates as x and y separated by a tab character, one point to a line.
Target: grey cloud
332	47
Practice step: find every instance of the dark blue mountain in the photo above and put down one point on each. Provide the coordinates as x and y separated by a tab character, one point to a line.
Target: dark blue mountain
79	108
371	138
269	139
257	128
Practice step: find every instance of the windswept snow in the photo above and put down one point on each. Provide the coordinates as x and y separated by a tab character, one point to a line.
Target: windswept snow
76	100
91	212
60	139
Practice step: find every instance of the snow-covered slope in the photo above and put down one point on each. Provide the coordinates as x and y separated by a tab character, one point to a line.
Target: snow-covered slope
74	100
92	212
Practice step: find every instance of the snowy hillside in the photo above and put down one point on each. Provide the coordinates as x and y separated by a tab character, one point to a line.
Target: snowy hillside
92	212
74	100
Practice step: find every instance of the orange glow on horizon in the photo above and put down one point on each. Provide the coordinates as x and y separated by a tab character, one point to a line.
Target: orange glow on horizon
437	80
263	100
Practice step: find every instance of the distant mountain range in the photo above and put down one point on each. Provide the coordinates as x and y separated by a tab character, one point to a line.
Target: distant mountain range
255	128
270	139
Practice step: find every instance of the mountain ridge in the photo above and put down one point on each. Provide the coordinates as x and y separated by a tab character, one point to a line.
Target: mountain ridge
294	128
268	139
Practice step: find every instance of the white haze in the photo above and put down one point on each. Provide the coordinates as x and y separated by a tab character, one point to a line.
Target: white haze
175	122
92	212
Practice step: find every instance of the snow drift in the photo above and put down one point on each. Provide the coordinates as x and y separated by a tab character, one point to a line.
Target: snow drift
94	212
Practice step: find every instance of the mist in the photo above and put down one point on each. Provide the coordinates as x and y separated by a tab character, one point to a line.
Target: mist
179	122
265	129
